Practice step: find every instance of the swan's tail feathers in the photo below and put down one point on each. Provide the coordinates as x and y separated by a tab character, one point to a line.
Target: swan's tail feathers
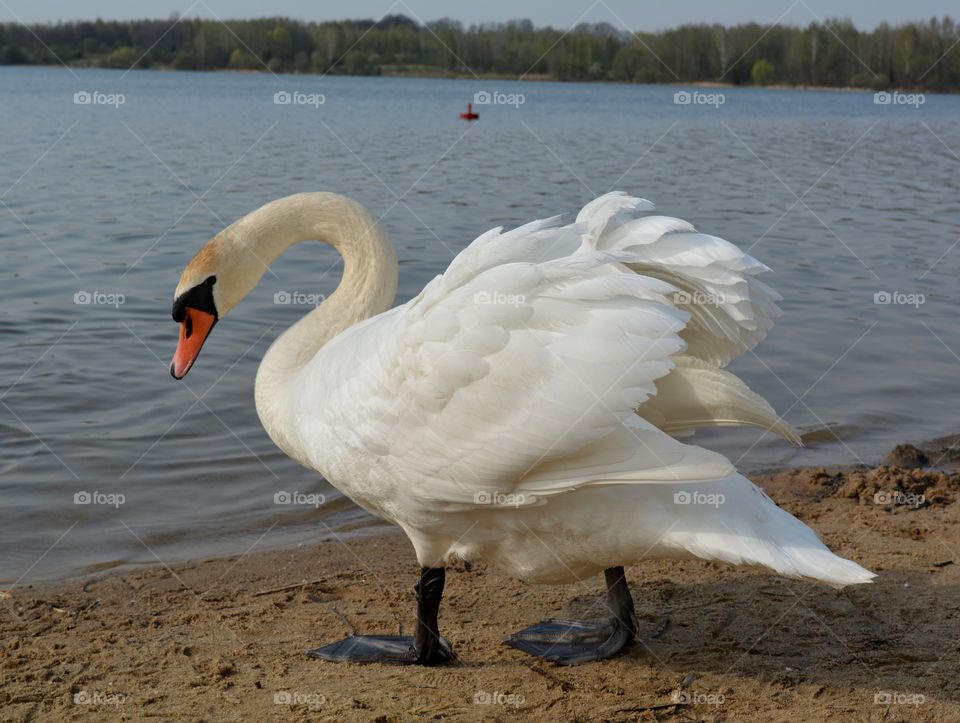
697	394
747	528
664	498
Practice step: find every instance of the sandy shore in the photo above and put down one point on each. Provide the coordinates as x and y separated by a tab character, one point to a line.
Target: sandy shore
224	639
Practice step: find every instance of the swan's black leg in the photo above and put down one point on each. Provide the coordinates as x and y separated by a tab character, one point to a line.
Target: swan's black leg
569	642
426	647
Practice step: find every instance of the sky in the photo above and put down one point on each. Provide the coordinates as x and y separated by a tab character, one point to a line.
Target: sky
647	16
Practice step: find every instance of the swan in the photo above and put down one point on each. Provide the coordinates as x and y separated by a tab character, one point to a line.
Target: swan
527	408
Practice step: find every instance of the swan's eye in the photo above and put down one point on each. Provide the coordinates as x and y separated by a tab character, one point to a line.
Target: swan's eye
211	280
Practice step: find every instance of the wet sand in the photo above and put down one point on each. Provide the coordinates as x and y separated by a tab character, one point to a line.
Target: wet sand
224	639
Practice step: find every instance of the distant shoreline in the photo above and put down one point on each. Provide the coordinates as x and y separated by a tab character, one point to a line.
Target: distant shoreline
913	56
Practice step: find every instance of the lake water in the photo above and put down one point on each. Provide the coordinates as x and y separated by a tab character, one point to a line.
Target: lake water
103	203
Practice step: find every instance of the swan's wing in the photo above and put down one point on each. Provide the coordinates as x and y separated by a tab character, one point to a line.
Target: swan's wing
731	311
535	242
518	371
470	387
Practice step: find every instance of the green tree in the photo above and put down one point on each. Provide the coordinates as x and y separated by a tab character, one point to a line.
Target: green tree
122	57
241	60
279	43
762	72
628	63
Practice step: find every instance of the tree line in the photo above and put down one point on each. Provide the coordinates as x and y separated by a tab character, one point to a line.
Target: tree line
916	55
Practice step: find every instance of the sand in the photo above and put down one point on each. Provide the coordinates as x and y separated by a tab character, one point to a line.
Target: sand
223	640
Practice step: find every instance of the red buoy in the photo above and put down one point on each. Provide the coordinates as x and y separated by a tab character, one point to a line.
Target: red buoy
469	115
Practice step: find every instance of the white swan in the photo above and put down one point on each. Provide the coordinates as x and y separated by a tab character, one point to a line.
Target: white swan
522	408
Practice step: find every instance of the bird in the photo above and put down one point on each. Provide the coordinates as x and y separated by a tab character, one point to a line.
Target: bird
530	408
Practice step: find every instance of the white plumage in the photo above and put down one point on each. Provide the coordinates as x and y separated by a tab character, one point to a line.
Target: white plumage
522	407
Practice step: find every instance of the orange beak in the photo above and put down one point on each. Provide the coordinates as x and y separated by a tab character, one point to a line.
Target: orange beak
194	330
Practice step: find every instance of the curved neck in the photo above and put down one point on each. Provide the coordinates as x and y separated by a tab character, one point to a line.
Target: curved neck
368	285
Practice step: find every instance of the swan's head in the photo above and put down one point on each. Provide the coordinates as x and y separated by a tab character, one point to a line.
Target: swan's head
214	281
231	264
